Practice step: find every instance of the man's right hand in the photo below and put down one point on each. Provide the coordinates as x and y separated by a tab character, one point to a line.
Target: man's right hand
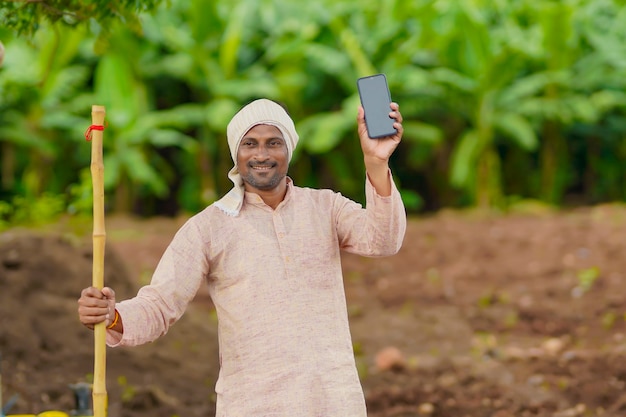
96	306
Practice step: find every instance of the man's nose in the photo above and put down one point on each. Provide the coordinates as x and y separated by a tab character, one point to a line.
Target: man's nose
262	153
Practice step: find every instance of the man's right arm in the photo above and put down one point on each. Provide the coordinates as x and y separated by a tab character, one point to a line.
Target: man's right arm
157	306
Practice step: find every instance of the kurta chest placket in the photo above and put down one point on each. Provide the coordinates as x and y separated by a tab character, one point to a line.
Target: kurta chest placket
281	236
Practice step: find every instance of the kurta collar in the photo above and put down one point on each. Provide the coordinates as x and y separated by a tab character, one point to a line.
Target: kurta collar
255	199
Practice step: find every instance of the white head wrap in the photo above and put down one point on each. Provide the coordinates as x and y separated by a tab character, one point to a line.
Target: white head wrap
259	112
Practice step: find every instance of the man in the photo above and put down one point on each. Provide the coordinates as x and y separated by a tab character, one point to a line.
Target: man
270	254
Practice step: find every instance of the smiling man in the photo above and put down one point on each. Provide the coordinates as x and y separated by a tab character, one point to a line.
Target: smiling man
269	252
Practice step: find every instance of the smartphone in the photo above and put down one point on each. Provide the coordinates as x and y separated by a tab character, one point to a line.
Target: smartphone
375	99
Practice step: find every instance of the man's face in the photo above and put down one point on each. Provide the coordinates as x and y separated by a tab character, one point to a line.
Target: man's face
262	158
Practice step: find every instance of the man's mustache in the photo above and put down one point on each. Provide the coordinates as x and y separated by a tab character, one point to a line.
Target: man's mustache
261	164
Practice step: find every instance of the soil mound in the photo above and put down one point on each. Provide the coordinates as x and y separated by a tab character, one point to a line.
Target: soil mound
42	343
45	348
41	278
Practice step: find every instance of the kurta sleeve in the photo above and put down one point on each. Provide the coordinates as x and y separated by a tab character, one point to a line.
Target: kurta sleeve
175	282
377	230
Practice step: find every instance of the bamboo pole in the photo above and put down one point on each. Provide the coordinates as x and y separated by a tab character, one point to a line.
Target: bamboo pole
99	393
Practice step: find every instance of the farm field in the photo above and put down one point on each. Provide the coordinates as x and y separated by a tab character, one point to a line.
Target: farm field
478	315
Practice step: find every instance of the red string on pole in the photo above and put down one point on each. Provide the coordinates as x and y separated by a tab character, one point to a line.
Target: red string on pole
90	128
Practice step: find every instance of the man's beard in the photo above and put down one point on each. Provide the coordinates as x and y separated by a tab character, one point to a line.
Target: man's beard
263	184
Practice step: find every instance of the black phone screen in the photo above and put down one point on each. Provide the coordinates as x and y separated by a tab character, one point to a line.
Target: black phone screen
375	99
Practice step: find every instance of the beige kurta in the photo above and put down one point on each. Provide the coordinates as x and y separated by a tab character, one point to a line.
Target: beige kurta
275	278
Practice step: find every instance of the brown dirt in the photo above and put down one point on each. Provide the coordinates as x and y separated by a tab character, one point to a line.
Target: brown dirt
518	315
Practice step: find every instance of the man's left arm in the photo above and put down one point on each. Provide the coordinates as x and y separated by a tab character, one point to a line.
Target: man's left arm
379	229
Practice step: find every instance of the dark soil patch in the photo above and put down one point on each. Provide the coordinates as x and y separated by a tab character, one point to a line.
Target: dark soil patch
518	315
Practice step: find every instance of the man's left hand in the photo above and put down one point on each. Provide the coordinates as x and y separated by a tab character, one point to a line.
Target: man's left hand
380	149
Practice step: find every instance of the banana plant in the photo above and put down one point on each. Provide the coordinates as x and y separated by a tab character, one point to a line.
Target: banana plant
135	129
601	73
571	82
481	81
41	111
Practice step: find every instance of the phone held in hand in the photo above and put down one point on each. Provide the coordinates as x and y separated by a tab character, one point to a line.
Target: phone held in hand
375	99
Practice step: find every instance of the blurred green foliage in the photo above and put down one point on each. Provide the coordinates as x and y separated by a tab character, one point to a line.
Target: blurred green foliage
27	16
506	100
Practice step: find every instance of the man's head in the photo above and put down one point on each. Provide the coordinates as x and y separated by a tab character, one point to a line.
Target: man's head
262	158
261	137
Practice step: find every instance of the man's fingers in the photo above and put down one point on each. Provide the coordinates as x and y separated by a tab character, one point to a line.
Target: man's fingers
395	112
400	130
90	316
93	319
93	306
91	292
89	301
99	311
108	293
396	116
